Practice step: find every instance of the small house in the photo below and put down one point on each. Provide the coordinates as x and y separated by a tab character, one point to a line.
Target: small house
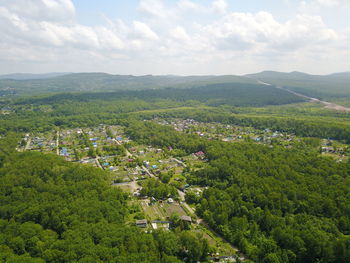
200	154
141	223
187	219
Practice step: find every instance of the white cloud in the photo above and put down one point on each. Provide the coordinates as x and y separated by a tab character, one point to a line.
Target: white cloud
180	33
42	10
316	6
220	6
245	31
144	31
327	3
167	39
188	5
153	8
12	19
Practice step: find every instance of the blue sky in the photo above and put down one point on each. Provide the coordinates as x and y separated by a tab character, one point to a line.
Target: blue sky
183	37
91	12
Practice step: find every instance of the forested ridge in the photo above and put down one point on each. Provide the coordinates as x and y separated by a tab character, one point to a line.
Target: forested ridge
327	86
278	205
55	211
237	94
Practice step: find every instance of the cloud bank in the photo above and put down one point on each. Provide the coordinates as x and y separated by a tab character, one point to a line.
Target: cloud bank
182	38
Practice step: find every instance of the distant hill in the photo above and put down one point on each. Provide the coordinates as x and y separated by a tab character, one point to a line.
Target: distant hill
334	86
279	75
28	76
102	82
234	94
331	86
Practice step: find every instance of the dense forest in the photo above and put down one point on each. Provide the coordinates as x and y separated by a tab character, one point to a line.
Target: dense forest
235	94
55	211
157	189
311	85
28	85
277	204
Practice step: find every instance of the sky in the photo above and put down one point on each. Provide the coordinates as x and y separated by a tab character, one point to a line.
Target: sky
181	37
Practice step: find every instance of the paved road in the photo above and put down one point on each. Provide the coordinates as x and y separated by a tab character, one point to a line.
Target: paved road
328	105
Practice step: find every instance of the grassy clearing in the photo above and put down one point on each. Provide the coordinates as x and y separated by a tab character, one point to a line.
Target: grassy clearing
161	211
222	247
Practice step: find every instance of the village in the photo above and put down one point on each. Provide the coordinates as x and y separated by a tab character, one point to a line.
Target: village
132	165
228	133
233	133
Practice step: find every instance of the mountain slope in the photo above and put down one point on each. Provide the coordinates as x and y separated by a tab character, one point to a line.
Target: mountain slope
95	82
28	76
234	94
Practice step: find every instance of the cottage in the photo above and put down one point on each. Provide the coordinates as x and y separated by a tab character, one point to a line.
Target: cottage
200	154
186	219
64	152
141	223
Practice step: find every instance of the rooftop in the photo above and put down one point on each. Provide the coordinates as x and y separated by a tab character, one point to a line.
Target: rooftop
186	218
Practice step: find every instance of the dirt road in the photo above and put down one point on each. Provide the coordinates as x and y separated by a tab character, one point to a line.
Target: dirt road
57	142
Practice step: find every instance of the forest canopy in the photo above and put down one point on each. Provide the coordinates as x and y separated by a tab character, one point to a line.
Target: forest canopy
55	211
